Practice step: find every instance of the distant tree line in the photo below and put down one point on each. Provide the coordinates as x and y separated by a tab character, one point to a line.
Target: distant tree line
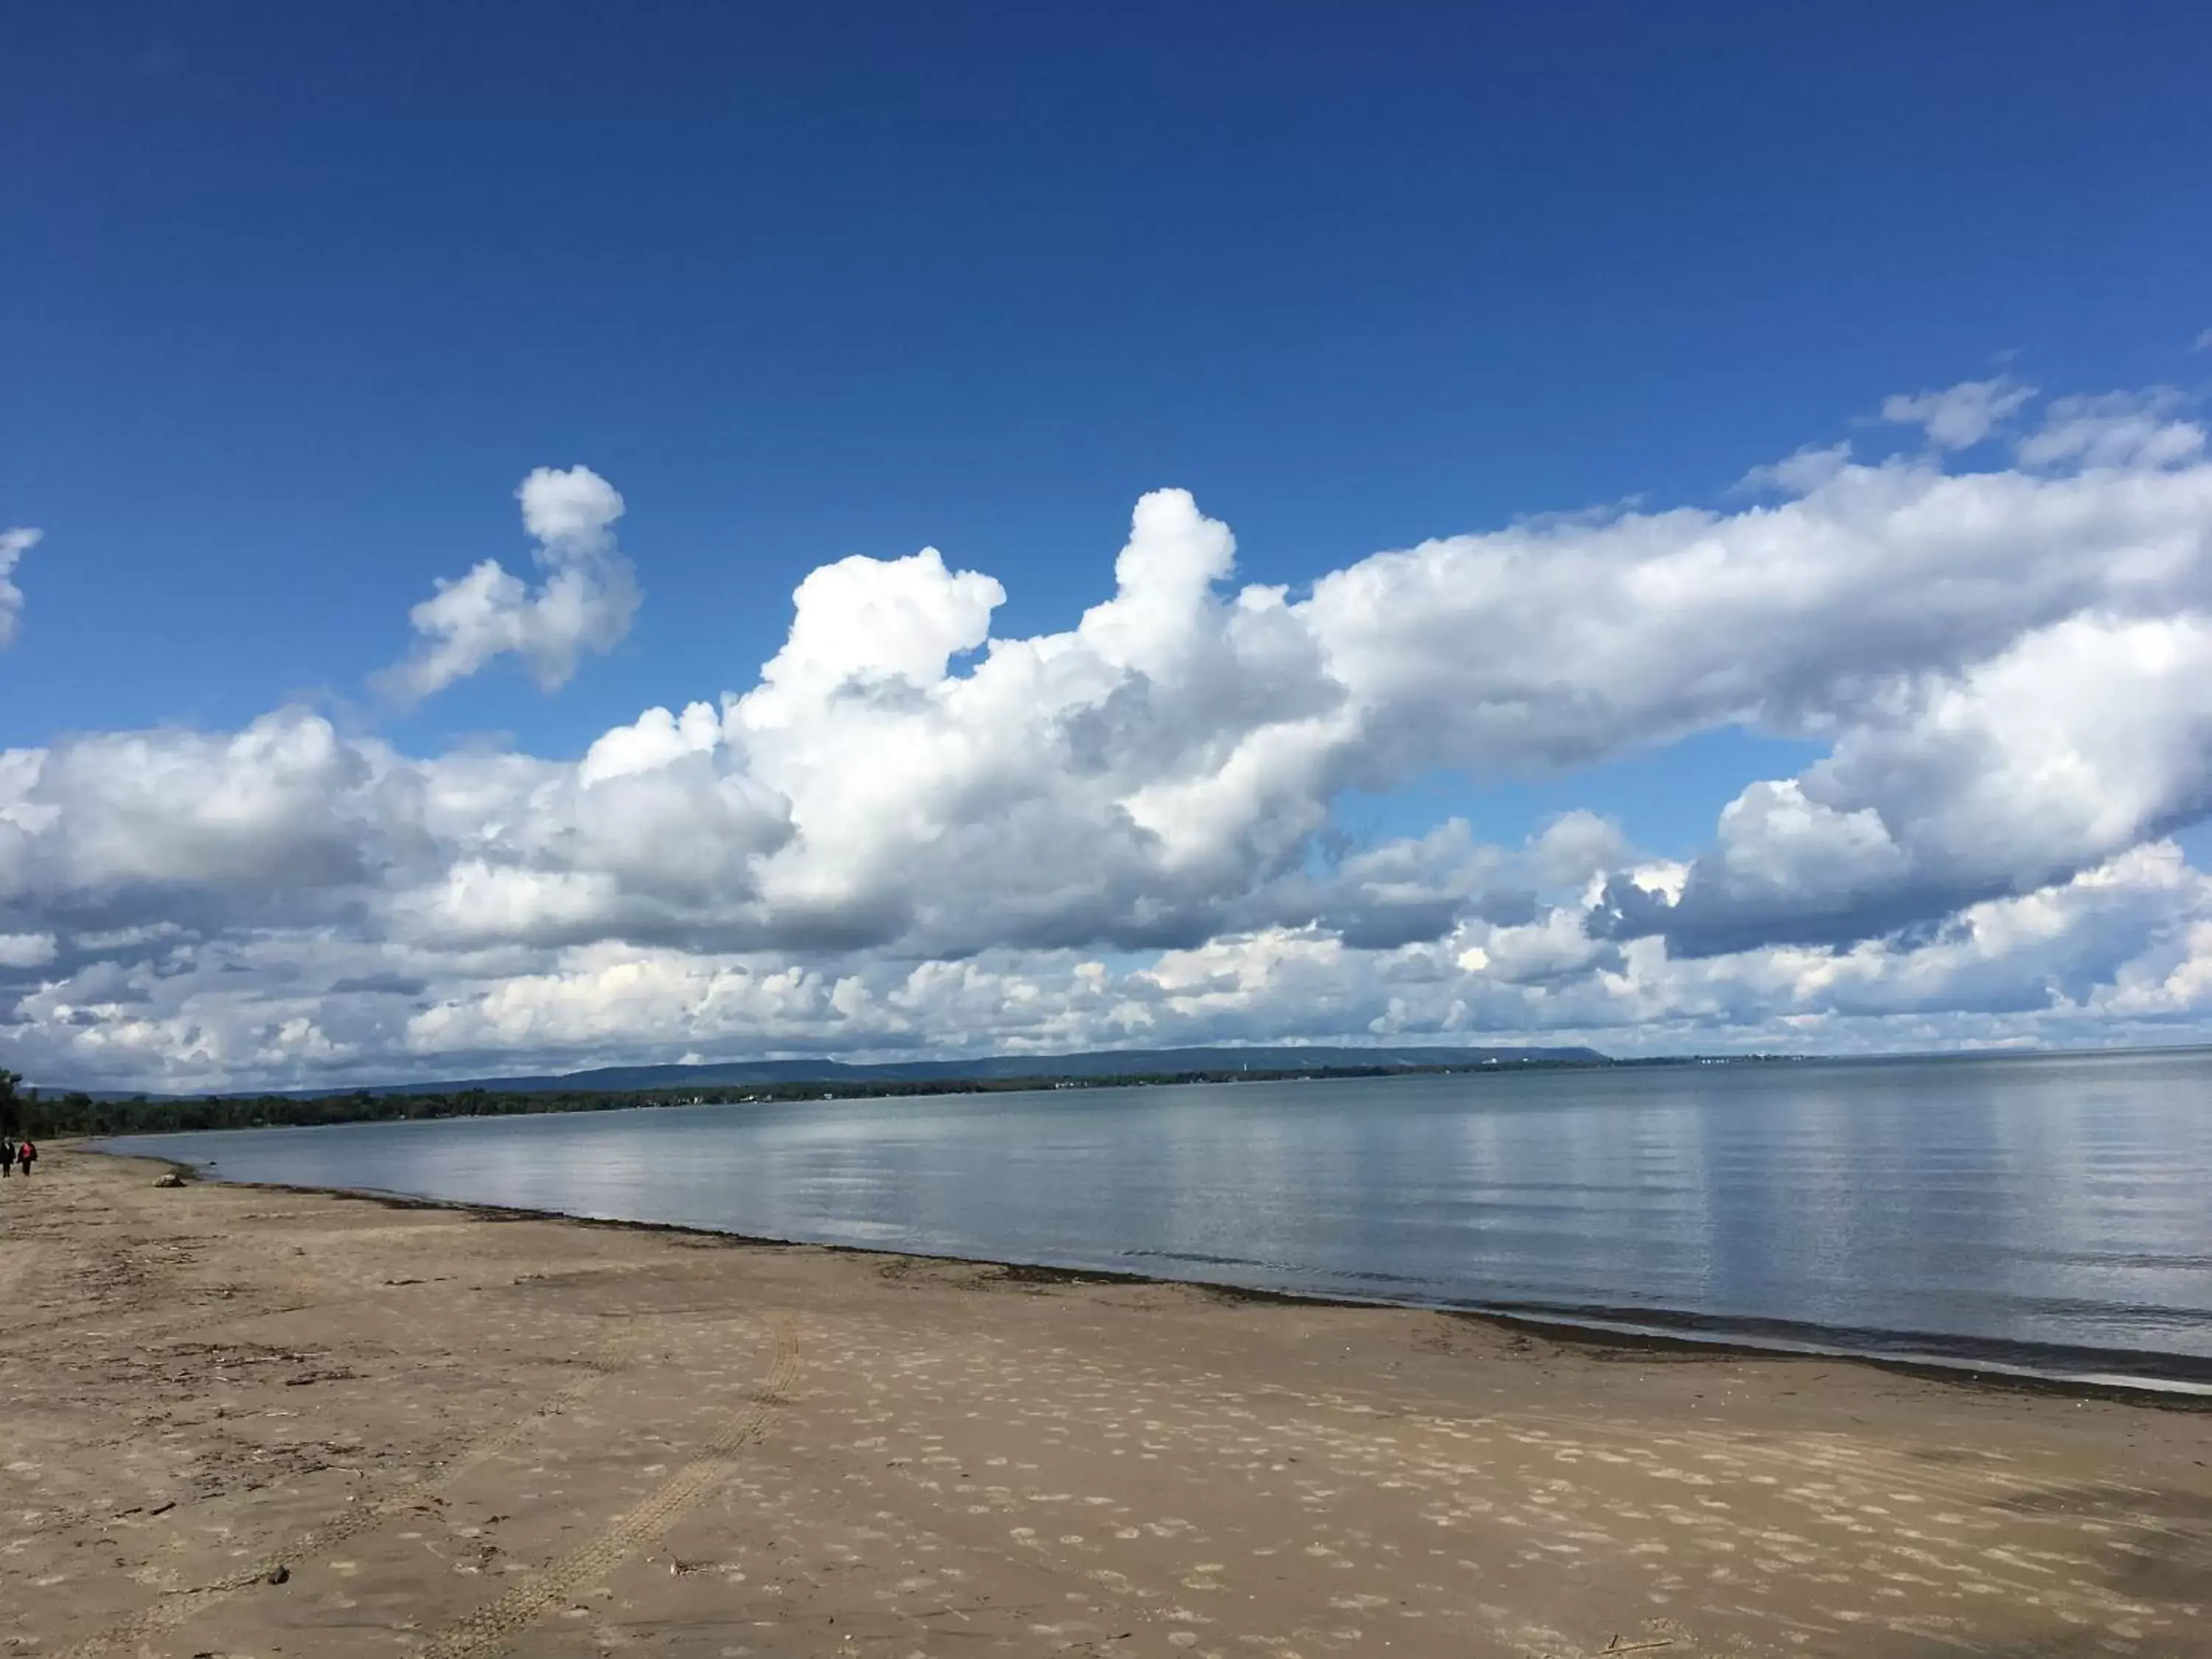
27	1112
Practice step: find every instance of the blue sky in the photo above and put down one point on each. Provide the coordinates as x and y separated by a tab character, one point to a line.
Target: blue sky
298	291
297	296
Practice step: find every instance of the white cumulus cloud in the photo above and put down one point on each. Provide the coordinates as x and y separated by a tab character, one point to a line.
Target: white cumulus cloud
13	543
1959	417
909	833
1796	474
586	602
26	949
2077	743
2118	429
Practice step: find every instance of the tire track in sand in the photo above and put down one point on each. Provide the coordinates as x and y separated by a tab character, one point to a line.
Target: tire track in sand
178	1606
493	1628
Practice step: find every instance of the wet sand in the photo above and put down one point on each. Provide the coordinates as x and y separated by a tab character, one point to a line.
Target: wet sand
239	1422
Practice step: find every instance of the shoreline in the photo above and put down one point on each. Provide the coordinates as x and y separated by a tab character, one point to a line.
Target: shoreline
248	1418
2181	1393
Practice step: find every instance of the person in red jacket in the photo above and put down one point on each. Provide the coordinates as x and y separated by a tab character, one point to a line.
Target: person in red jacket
27	1155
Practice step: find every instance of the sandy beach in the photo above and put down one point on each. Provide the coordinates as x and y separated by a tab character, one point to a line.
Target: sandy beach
240	1422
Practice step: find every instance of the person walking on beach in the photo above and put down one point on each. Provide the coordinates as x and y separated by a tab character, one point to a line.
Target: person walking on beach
27	1155
7	1157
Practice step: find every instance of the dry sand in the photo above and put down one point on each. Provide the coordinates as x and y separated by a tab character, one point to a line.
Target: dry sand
248	1422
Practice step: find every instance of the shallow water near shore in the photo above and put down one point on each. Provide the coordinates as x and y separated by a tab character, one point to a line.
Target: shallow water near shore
2049	1213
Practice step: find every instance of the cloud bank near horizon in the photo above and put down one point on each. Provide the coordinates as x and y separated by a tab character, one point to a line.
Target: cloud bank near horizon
909	835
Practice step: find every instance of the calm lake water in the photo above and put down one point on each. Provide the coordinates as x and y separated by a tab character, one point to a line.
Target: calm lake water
2050	1212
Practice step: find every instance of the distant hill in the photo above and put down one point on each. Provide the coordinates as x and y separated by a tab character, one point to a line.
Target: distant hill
1115	1062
